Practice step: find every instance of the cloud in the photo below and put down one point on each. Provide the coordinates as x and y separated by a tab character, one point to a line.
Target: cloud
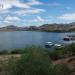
36	19
67	17
34	2
7	22
30	20
39	19
30	11
4	11
12	18
7	4
26	8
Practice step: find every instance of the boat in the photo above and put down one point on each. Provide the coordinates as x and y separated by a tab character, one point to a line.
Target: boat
48	44
58	45
66	39
72	37
69	38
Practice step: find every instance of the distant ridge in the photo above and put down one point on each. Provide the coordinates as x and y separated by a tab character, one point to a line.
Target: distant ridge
45	27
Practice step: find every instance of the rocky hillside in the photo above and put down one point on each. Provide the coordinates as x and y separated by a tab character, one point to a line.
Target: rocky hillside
45	27
12	28
58	27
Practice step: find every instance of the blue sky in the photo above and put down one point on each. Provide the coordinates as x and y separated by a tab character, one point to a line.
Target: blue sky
36	12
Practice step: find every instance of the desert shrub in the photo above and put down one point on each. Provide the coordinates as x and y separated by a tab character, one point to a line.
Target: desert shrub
3	52
71	48
53	55
63	52
35	61
60	69
16	51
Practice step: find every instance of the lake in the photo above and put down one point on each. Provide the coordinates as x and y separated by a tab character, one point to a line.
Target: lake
21	39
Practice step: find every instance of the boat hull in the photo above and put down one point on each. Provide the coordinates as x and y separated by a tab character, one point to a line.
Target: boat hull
66	39
48	46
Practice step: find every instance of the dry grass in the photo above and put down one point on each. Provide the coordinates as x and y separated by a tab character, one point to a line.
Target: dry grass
7	56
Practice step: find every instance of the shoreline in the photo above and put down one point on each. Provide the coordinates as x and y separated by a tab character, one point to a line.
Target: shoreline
36	31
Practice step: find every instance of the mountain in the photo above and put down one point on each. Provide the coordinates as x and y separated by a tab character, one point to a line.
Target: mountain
46	27
58	27
15	28
12	28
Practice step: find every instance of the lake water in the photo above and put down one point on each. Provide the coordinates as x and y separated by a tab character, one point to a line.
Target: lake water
21	39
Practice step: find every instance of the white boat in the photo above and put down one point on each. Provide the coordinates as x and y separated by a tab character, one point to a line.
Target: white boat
48	44
69	38
66	38
58	46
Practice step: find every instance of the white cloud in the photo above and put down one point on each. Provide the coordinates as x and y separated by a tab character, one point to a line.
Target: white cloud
30	11
12	18
4	11
39	19
17	3
29	20
6	21
6	4
35	2
69	17
36	19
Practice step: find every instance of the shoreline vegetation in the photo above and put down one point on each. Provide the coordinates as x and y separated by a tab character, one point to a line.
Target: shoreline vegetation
65	51
37	60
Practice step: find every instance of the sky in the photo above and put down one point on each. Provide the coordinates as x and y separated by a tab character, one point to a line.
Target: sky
36	12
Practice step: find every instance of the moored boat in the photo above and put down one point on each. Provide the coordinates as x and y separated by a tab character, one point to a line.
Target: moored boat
69	38
66	39
72	37
58	45
48	44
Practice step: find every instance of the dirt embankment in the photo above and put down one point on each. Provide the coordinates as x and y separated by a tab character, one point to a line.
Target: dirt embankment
70	62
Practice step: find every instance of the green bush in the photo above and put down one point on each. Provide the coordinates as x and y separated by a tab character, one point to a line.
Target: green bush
54	55
35	61
71	48
59	69
16	51
3	52
66	51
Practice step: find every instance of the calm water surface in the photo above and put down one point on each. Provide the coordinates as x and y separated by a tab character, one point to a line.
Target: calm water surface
20	39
